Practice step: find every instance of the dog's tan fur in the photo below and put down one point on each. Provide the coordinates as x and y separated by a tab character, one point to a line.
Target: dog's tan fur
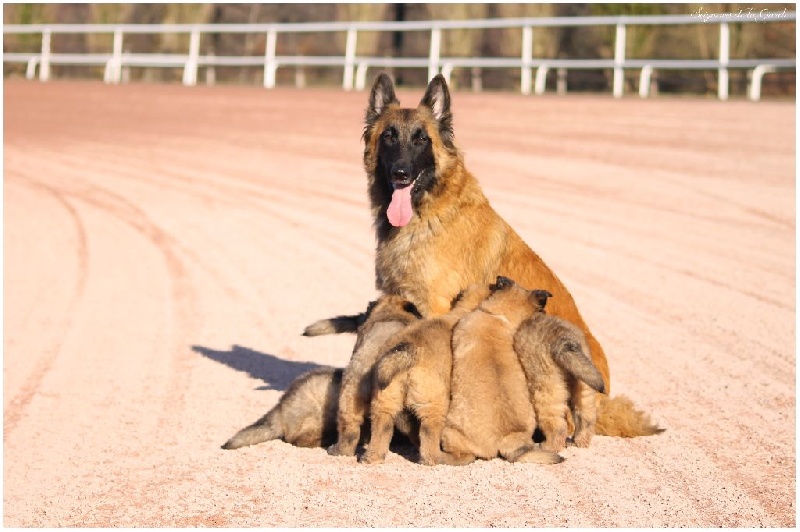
305	416
490	412
455	238
415	374
386	317
562	380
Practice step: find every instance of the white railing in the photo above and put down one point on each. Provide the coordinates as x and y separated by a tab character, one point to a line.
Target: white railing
355	67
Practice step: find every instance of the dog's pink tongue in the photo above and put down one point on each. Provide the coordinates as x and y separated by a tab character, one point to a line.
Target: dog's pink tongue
400	211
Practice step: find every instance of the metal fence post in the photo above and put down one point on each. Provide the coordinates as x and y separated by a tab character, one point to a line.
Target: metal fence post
433	58
724	56
350	59
44	66
269	60
619	59
190	70
527	56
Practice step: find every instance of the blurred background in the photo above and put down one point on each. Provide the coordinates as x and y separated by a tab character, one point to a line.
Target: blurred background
697	41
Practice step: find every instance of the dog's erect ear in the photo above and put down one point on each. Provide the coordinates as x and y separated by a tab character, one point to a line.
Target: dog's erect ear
381	96
540	296
437	99
501	283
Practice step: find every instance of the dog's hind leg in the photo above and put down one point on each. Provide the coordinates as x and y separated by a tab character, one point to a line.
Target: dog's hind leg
584	410
352	413
550	399
386	405
430	437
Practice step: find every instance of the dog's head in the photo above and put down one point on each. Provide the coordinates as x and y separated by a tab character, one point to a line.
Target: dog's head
391	308
404	148
506	291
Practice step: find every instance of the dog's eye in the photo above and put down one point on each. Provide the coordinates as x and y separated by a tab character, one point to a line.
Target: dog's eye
388	136
421	139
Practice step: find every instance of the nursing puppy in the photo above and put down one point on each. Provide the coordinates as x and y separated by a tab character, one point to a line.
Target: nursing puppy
415	374
305	416
490	410
562	380
383	319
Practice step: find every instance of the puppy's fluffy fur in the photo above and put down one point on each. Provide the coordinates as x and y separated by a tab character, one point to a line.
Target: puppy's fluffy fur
490	412
305	416
415	374
387	316
561	378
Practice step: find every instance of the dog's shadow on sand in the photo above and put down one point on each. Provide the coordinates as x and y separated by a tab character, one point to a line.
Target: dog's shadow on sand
276	373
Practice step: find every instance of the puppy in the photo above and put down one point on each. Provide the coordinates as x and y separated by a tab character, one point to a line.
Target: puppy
305	416
383	319
415	374
562	379
490	412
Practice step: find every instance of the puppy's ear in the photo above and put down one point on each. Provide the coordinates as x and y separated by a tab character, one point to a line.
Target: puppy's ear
380	97
437	99
370	308
540	297
501	283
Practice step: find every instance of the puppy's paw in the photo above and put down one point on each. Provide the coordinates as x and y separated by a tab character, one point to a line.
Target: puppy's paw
554	444
583	439
371	458
337	450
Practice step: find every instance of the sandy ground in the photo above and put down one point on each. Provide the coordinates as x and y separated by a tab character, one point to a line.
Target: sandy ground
164	248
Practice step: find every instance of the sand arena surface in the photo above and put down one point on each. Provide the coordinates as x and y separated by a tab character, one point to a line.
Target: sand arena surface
165	246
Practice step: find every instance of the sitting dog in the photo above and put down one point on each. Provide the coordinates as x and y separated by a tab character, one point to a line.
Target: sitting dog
415	374
305	416
490	410
562	379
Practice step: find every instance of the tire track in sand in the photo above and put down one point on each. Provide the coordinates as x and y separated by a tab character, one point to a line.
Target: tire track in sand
19	403
182	295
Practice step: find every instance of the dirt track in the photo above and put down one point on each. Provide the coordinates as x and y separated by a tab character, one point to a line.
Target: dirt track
164	248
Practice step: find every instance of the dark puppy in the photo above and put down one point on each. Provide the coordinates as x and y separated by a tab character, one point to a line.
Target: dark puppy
305	416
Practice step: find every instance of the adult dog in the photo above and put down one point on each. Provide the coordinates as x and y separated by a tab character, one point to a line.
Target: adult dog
437	234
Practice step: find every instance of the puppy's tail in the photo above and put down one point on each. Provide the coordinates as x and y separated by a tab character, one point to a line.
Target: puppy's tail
618	416
571	358
337	325
399	358
269	427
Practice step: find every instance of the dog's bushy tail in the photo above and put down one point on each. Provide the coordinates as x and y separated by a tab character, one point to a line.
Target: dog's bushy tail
399	358
571	358
618	416
337	325
269	427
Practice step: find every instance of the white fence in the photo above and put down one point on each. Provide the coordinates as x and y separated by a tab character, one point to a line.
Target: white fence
355	67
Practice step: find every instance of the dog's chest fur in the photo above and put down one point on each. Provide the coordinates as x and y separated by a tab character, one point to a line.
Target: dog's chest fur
438	254
405	263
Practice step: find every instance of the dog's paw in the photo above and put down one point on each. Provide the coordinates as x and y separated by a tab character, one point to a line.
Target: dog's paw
582	440
555	445
337	450
371	458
